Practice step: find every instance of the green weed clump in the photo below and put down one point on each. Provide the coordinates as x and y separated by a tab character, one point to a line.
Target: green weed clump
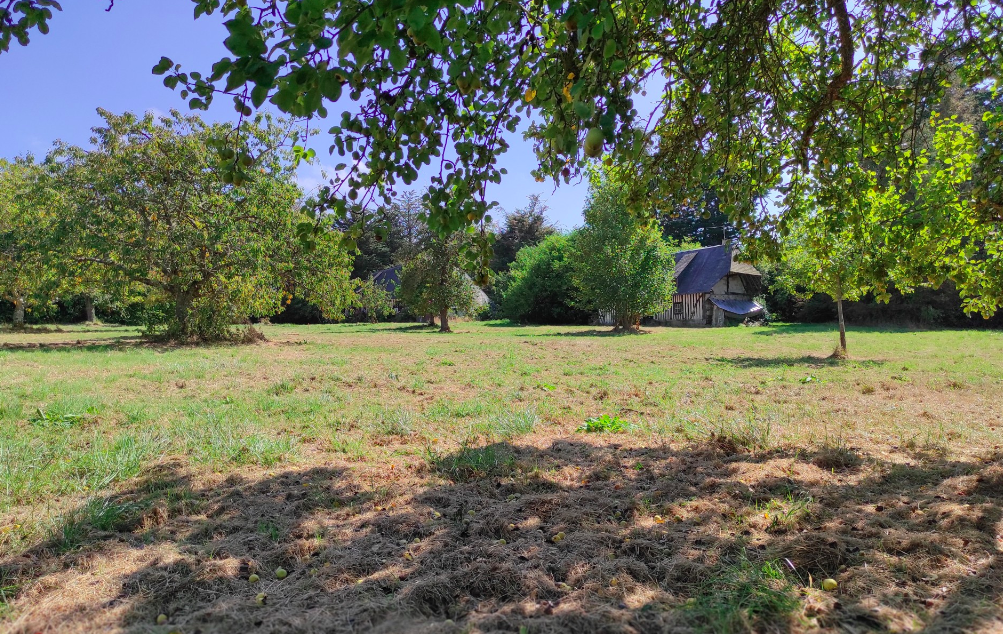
399	422
604	424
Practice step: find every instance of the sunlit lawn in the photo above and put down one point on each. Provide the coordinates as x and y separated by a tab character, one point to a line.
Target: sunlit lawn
411	480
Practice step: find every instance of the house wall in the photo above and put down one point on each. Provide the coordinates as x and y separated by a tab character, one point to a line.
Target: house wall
691	310
731	287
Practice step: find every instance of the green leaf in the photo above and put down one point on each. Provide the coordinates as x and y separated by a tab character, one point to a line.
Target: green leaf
417	19
258	95
162	66
584	110
398	59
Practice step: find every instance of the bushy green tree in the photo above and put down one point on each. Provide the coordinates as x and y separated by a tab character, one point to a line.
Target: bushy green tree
523	228
433	283
539	287
621	263
374	301
858	234
27	268
150	205
818	258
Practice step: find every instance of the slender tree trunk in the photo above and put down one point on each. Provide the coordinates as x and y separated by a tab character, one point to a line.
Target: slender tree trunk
444	320
182	311
842	325
89	309
19	312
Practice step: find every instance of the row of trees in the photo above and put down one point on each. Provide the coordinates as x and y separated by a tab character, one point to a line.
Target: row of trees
156	211
618	264
808	122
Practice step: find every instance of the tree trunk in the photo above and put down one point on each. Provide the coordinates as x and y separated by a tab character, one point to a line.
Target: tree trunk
89	309
19	312
842	326
444	321
182	312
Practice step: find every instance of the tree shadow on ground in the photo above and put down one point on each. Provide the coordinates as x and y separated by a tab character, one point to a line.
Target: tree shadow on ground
593	333
833	327
124	342
572	537
806	360
414	328
91	345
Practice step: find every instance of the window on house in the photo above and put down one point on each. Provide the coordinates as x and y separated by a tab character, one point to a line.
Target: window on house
677	307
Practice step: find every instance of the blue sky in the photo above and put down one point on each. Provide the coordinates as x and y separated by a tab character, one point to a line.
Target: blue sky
92	58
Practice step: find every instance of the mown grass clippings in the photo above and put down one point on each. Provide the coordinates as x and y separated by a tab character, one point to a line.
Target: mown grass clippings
650	518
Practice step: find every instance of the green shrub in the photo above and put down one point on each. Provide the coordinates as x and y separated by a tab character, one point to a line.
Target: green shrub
538	288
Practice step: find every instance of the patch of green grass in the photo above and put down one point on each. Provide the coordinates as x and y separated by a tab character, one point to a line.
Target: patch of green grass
744	597
57	420
604	424
71	530
270	530
470	463
9	587
25	468
283	387
396	422
110	460
510	424
354	448
750	434
788	513
213	441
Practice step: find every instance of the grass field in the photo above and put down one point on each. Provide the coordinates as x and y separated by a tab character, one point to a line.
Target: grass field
502	479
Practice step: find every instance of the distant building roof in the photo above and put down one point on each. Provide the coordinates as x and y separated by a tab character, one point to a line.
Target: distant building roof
698	270
389	279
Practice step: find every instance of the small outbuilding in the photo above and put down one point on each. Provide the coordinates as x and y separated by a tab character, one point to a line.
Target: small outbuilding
712	287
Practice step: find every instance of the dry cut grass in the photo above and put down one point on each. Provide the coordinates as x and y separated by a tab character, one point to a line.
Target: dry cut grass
502	480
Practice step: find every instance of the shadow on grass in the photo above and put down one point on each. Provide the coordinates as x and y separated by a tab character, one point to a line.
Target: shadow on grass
414	328
594	333
91	345
807	361
569	538
833	327
127	342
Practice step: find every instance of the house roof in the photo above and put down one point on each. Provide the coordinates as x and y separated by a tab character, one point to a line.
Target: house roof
698	270
737	306
389	279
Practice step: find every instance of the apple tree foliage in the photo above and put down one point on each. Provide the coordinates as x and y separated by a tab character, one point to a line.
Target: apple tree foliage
907	224
742	98
150	205
27	276
433	282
